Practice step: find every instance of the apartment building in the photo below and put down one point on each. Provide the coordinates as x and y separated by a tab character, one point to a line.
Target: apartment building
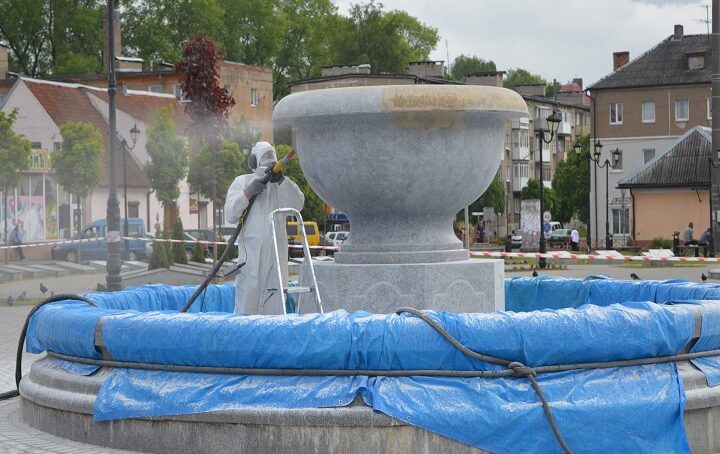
641	109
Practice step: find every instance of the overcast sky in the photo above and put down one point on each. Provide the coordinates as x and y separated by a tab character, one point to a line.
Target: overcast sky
560	40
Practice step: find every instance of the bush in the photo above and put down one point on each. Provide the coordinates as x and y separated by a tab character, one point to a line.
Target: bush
198	254
178	249
167	245
233	252
158	257
660	243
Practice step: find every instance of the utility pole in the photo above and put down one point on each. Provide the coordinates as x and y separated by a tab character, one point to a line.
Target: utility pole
715	78
113	204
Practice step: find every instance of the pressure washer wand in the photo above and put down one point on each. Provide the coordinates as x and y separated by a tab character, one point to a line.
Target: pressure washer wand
277	168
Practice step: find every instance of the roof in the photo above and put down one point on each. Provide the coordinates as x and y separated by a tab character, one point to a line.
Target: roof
544	100
70	103
430	80
142	105
683	164
571	88
664	64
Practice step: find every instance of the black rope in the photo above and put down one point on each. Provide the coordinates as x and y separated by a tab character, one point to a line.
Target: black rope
23	333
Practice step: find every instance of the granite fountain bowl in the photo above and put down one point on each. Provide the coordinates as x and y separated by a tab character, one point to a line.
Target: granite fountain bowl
400	161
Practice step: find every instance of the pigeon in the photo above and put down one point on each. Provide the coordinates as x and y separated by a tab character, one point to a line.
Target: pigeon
535	273
22	296
43	289
52	294
101	288
703	277
635	277
10	300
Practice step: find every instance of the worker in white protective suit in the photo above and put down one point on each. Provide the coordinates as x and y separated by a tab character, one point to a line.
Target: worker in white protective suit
255	240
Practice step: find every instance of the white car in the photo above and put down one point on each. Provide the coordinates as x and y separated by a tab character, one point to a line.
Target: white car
336	238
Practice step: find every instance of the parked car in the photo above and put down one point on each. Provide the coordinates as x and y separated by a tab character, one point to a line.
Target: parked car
92	243
204	235
336	238
559	238
188	244
516	240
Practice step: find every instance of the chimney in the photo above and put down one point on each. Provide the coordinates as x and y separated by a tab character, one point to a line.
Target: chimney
4	66
620	59
678	33
578	80
489	78
118	43
427	68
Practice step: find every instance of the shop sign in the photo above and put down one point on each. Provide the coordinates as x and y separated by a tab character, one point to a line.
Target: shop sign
39	161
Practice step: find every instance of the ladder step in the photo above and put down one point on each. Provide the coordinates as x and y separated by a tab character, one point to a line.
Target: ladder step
292	290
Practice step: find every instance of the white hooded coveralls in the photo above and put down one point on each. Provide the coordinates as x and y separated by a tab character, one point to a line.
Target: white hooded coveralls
255	240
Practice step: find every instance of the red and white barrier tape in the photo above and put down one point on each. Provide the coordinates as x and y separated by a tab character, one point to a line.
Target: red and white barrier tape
294	246
589	257
49	243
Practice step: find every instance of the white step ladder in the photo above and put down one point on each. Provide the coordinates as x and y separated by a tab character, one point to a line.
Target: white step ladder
286	290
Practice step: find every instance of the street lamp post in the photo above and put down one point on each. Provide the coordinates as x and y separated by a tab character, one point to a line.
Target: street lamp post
607	165
134	134
553	121
113	206
597	149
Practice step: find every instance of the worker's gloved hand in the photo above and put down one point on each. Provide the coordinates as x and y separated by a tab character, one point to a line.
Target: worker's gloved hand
277	177
256	187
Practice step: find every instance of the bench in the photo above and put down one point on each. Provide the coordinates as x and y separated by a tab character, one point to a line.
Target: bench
683	250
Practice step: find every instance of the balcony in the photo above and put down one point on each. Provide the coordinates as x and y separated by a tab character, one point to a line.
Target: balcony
565	128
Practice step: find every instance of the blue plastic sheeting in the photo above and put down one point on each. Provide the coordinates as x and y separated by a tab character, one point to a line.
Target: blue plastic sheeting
709	340
158	297
545	292
636	409
339	340
76	368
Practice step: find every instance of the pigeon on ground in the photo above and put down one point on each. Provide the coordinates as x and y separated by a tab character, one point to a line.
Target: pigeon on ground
703	277
635	277
10	300
52	294
43	289
535	273
22	296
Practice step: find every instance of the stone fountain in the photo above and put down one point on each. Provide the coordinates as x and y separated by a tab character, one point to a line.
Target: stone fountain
401	161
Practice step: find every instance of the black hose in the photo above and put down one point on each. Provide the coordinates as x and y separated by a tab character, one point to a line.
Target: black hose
23	333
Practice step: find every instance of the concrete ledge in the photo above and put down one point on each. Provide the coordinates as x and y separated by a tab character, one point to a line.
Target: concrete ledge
61	403
55	271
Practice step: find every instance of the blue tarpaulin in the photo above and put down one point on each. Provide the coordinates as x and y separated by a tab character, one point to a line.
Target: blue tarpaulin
636	408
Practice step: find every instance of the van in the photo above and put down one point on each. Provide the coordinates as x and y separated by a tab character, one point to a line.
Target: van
311	231
94	242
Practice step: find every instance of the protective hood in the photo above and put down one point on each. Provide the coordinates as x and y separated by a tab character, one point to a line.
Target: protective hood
264	154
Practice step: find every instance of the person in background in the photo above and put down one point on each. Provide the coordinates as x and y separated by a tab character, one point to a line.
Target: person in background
575	240
704	240
688	236
16	237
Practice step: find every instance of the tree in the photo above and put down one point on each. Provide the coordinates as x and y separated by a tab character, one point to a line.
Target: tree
209	102
519	76
469	64
229	162
572	184
78	164
314	206
532	191
494	196
386	40
158	256
168	162
198	254
178	249
251	32
14	158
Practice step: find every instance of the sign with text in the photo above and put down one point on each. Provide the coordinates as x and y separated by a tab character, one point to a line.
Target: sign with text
39	161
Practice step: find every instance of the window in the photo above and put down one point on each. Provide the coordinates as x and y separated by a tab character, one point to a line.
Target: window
36	145
518	203
179	94
57	146
546	173
696	61
560	145
709	108
541	113
616	113
520	170
648	112
619	163
253	97
156	88
682	110
133	210
648	154
620	221
255	133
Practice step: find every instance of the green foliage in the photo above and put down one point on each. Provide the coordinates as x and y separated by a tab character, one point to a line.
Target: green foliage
14	151
198	254
386	40
233	251
314	206
469	64
219	167
168	157
76	64
78	164
167	245
519	76
178	249
532	191
241	134
158	256
660	243
494	196
571	183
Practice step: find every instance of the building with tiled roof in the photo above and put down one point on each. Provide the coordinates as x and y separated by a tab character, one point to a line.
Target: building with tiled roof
642	108
47	211
671	189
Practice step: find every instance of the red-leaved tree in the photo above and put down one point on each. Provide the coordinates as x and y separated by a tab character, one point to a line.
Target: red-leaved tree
209	102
